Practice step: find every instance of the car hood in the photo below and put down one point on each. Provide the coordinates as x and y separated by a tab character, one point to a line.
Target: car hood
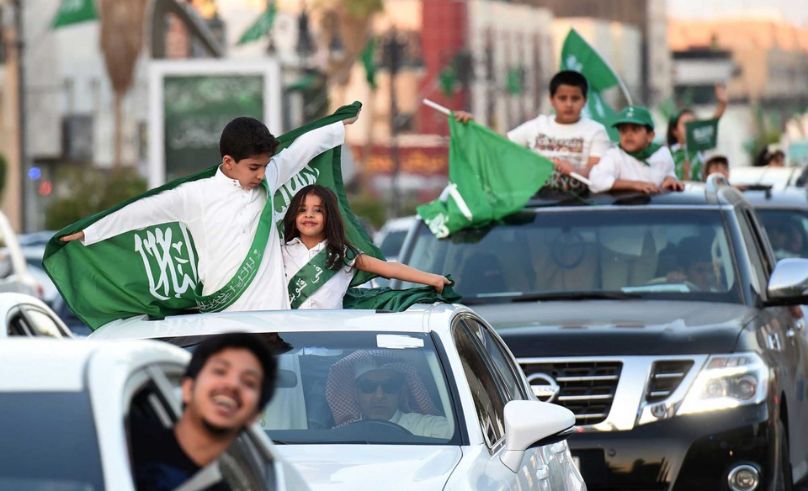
410	467
617	327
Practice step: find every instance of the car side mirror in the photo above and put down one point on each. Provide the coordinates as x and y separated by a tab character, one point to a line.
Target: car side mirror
788	284
532	424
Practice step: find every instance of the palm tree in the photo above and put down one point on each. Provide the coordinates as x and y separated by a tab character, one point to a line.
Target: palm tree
122	25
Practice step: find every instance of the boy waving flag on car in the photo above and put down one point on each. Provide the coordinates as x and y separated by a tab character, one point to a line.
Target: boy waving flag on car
207	242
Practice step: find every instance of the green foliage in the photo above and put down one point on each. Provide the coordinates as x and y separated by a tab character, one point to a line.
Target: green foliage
360	9
88	191
368	208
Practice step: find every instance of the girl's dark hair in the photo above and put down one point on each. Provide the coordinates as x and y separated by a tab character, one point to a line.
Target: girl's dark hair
670	136
337	245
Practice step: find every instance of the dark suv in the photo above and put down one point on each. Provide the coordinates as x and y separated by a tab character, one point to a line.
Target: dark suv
662	322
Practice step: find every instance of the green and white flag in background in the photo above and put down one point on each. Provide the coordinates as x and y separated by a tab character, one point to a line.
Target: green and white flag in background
701	135
262	25
74	12
368	58
490	177
153	271
578	55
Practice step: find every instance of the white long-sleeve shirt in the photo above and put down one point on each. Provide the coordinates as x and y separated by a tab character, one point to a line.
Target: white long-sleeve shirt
222	217
617	164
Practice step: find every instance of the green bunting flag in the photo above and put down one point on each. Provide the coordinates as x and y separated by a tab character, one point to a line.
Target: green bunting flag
368	58
514	81
74	12
261	27
447	80
578	55
153	270
490	177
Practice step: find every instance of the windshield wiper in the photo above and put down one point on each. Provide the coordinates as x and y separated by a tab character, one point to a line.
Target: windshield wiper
533	297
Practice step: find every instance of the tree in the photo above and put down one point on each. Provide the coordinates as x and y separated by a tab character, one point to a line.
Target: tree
122	24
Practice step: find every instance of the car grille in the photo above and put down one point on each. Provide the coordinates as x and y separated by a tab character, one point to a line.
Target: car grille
585	388
665	378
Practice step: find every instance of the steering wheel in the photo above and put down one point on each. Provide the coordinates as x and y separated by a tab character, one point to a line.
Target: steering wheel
379	424
568	250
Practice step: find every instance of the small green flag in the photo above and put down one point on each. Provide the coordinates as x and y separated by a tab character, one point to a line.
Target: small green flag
74	12
368	58
261	27
701	135
513	82
447	79
490	177
578	55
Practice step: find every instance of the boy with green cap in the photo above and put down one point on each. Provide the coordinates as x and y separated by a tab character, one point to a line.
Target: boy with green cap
638	164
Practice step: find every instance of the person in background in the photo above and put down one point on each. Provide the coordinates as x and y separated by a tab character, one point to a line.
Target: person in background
717	164
573	143
638	164
676	138
770	156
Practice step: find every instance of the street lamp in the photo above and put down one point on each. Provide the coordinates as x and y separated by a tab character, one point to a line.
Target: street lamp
393	51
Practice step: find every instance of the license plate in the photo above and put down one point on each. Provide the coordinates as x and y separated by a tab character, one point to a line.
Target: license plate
577	462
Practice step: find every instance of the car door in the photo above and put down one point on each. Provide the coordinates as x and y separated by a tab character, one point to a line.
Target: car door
28	319
493	383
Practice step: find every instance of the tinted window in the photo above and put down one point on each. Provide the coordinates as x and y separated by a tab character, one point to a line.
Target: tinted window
488	400
501	361
392	242
671	254
357	387
787	231
48	442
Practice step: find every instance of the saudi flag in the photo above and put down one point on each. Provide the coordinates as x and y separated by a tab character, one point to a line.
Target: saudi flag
701	135
74	12
490	177
153	270
261	27
579	56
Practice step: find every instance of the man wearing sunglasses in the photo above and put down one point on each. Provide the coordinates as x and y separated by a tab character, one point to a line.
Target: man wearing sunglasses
380	392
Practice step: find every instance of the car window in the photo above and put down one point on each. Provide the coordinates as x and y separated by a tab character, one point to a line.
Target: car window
502	363
787	231
489	400
392	242
347	387
30	321
648	253
751	243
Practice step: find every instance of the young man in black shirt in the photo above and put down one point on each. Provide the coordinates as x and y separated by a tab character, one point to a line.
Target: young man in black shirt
227	383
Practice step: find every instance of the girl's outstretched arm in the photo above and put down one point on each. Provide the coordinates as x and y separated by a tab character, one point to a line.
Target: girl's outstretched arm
400	271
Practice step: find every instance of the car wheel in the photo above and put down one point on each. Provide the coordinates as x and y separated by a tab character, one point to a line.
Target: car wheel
782	478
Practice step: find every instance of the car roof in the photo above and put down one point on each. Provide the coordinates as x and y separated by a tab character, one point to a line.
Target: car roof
37	364
695	194
766	197
414	319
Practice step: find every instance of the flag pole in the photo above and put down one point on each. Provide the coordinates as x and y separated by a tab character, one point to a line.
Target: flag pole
445	110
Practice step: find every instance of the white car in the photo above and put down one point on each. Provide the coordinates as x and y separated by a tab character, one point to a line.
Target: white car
430	398
27	316
66	407
14	274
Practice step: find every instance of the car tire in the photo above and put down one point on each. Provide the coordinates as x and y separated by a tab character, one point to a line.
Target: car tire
782	478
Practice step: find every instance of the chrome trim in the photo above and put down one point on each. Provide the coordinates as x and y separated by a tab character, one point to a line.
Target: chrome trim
594	378
629	408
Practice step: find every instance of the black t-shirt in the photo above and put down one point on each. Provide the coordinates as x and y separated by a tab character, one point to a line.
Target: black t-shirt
159	462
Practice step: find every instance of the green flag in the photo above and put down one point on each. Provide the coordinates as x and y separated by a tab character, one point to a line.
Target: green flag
513	81
261	27
489	177
368	58
447	79
153	271
578	55
701	135
74	12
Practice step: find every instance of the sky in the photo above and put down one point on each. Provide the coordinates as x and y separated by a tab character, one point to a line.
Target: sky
794	10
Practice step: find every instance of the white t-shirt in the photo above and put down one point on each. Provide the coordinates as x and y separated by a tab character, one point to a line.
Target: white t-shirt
574	143
617	164
329	295
222	218
423	424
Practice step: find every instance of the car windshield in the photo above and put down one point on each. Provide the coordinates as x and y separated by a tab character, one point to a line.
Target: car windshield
48	442
391	244
787	231
357	387
587	253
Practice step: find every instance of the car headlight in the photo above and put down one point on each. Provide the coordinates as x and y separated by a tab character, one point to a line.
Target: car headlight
727	381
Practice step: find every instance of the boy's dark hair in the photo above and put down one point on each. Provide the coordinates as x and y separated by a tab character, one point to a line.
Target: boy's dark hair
673	122
239	340
569	77
246	137
714	161
334	229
